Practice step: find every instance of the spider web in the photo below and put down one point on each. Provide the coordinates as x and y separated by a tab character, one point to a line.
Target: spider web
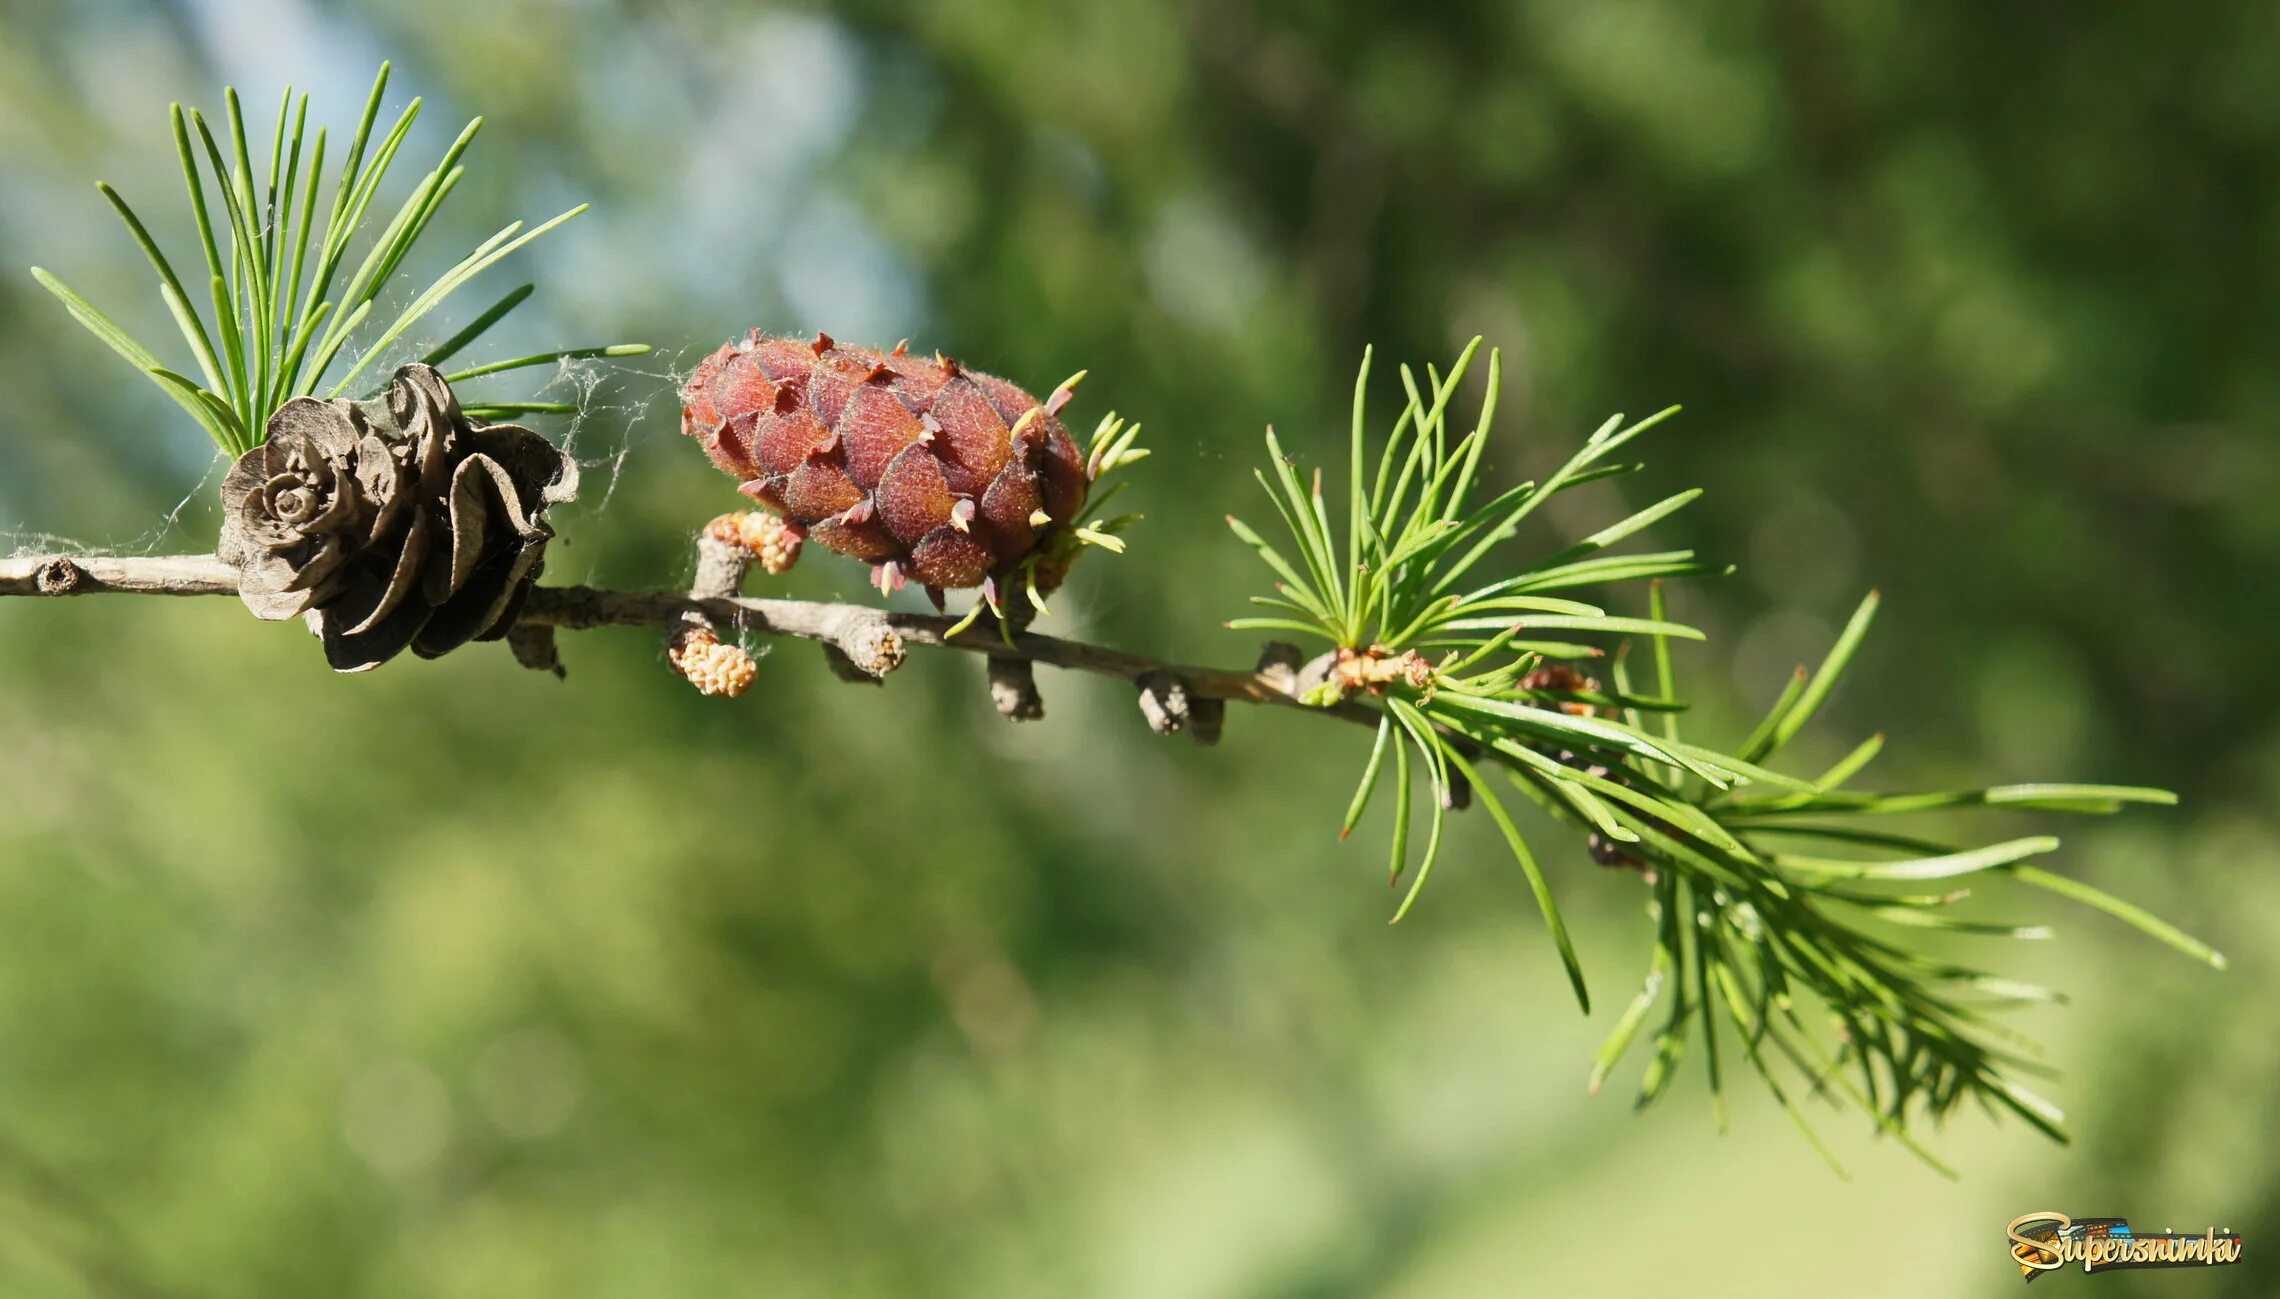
613	400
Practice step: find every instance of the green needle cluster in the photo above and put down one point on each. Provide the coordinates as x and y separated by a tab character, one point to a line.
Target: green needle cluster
286	305
1805	960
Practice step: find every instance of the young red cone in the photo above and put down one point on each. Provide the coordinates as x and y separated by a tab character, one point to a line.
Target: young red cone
927	471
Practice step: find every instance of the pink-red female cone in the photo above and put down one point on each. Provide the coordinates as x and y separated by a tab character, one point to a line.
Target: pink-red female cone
927	471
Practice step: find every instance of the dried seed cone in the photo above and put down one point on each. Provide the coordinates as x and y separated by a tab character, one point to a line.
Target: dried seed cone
925	470
391	524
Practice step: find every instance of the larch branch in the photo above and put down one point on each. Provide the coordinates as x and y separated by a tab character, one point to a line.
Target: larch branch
868	637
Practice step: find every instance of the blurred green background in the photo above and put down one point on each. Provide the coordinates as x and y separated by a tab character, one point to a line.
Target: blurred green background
454	980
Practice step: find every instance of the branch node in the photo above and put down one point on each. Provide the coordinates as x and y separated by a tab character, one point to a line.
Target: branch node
692	643
721	566
1315	671
844	667
58	576
1013	690
1163	701
1278	665
1206	718
533	647
865	653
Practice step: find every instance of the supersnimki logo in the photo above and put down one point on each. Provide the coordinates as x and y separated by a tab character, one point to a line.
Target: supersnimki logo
2046	1241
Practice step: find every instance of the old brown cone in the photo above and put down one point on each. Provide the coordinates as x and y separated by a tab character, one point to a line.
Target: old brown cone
928	471
393	523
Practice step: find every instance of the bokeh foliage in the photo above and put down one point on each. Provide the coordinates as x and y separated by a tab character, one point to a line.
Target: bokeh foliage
864	992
